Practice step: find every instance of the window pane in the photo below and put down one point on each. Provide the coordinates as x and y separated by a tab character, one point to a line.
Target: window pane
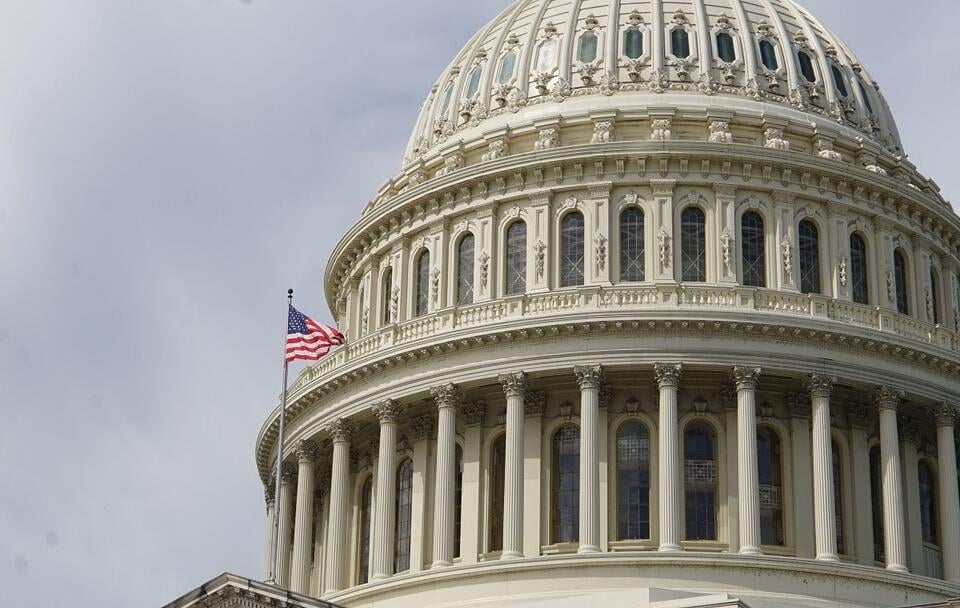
633	481
858	270
422	303
809	257
547	56
700	482
465	270
366	512
928	507
876	499
516	265
571	250
458	502
900	280
725	48
838	498
507	64
587	49
693	245
935	295
754	259
769	458
632	250
866	96
386	297
566	485
838	80
497	468
633	44
474	84
806	67
680	43
768	55
446	99
401	560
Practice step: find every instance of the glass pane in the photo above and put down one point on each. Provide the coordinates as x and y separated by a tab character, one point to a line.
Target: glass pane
876	499
858	270
693	245
497	468
386	297
700	482
566	485
928	512
547	55
806	67
507	65
465	271
838	80
632	245
474	83
900	279
633	44
401	560
516	258
680	43
725	48
768	55
366	512
866	96
446	99
771	487
423	284
838	498
935	295
754	259
809	258
571	250
587	50
633	481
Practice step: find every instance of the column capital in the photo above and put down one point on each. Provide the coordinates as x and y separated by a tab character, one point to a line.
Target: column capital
888	398
819	385
533	403
288	473
746	378
340	430
422	428
860	415
589	376
307	451
799	405
668	374
446	395
945	414
269	494
473	412
514	384
388	412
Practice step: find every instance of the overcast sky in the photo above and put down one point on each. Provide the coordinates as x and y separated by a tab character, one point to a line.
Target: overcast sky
167	169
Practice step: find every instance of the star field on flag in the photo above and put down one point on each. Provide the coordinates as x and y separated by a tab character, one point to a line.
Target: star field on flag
308	340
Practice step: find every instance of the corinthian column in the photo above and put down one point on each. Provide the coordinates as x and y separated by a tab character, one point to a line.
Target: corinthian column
515	387
824	509
269	496
303	526
388	412
888	400
668	378
747	379
589	378
288	480
341	430
448	400
949	501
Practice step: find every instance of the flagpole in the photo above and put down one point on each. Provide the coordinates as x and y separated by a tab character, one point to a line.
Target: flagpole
274	569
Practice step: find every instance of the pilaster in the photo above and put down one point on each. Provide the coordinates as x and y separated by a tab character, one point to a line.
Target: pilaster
787	263
470	527
726	234
664	248
534	402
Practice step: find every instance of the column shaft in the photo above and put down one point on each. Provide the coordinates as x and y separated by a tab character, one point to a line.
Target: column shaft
381	554
668	378
268	552
282	567
589	378
514	386
893	522
303	527
825	521
448	398
339	513
949	500
747	475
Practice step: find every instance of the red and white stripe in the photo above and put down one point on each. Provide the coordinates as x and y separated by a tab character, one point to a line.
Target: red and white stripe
313	345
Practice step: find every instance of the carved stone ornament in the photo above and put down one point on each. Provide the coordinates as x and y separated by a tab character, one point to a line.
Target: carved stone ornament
365	320
514	384
534	402
663	249
945	414
609	83
548	139
888	398
388	412
773	138
340	430
891	286
288	473
422	427
825	150
451	164
600	241
497	148
700	406
928	300
602	132
484	270
819	385
728	396
605	396
746	378
668	374
403	446
799	404
394	303
720	132
909	429
269	494
435	284
560	90
473	412
632	405
447	395
307	451
566	410
787	251
540	257
860	415
661	129
725	240
842	270
589	376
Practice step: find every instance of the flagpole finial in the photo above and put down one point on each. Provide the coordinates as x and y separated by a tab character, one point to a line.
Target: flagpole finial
289	294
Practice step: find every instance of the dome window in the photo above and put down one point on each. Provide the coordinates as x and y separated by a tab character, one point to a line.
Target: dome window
806	66
768	56
516	258
928	504
900	282
700	481
507	64
633	44
809	257
473	84
565	506
547	56
421	302
447	97
858	269
465	255
680	43
866	97
839	81
633	481
935	296
693	245
631	245
587	48
572	250
753	259
404	517
725	49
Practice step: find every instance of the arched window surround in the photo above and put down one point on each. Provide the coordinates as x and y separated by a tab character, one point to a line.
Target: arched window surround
635	201
638	25
762	208
774	42
454	277
554	252
601	54
825	260
548	432
734	34
847	487
700	202
872	263
517	51
500	278
414	281
722	513
612	430
692	42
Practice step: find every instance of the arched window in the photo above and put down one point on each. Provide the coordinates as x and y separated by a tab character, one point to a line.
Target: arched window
547	56
806	66
632	246
516	263
935	295
565	508
839	81
865	95
809	257
587	48
928	504
725	49
447	98
458	502
633	481
633	44
838	497
858	270
768	55
770	474
498	455
404	505
571	250
473	85
507	65
693	244
680	43
465	270
362	311
754	257
900	282
422	301
366	519
386	297
700	481
876	501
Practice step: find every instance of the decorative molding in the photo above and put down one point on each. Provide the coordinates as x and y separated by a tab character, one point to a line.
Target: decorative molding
447	395
799	404
388	411
746	378
473	412
668	374
514	384
819	385
888	398
340	430
307	451
534	403
422	427
589	376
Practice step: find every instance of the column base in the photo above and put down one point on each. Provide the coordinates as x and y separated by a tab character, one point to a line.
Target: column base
828	557
440	564
898	568
670	548
380	577
750	551
511	555
588	549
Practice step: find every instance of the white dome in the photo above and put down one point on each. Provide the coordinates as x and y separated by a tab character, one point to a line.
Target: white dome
764	56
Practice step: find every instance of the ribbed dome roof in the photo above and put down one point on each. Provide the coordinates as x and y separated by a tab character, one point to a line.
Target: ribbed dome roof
760	56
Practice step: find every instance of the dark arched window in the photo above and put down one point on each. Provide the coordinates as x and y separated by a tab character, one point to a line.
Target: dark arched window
838	497
806	66
404	505
809	257
754	258
571	250
458	501
900	282
516	263
770	474
447	98
768	55
876	501
680	43
633	44
866	96
362	310
839	81
507	64
700	482
632	246
422	295
363	535
587	48
693	245
928	504
498	455
725	49
386	297
633	481
565	508
935	296
859	286
465	270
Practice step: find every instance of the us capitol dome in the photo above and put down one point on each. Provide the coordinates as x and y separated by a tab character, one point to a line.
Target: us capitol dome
656	313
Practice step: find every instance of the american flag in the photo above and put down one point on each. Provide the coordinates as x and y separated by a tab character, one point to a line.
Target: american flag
308	340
